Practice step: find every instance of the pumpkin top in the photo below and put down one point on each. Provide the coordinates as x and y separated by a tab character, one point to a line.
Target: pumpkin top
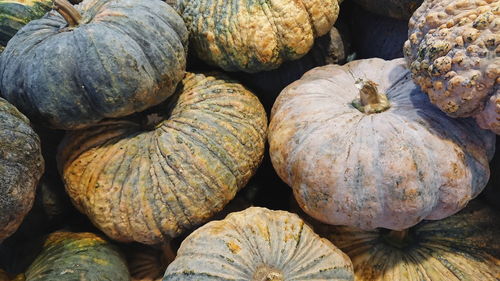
453	54
258	244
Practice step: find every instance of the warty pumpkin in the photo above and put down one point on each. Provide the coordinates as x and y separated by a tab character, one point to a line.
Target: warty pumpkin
150	181
21	167
258	244
103	59
374	152
462	247
14	14
453	51
253	36
78	256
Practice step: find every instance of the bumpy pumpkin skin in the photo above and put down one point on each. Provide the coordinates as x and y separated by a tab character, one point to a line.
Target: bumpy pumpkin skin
21	167
257	243
390	169
398	9
147	184
14	14
253	36
124	56
453	52
462	247
78	256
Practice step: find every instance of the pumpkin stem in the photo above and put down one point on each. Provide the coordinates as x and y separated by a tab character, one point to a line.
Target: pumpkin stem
370	100
267	273
398	238
68	12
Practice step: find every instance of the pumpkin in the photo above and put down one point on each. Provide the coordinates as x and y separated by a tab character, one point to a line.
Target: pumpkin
14	14
361	145
253	36
258	244
78	256
452	51
103	59
152	177
398	9
462	247
21	167
146	263
377	36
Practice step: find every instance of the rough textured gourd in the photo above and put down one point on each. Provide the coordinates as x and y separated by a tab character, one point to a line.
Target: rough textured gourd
14	14
104	59
375	156
462	247
398	9
453	51
78	256
21	167
150	178
258	244
253	36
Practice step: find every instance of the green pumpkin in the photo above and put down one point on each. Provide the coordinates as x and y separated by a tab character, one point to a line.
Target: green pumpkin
14	14
103	59
21	166
78	256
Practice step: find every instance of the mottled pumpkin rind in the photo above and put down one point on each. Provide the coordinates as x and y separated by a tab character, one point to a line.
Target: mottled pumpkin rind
124	57
390	169
462	247
244	242
21	167
149	184
78	256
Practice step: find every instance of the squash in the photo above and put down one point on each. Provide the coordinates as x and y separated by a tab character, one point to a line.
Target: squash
452	51
146	263
103	59
365	155
462	247
253	36
21	167
78	256
150	177
14	14
397	9
258	244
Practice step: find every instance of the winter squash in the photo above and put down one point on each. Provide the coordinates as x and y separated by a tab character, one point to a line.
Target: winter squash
452	52
152	176
78	256
102	59
374	152
398	9
377	36
258	244
14	14
253	36
21	167
462	247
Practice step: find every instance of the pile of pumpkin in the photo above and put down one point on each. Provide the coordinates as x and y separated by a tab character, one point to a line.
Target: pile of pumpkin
134	140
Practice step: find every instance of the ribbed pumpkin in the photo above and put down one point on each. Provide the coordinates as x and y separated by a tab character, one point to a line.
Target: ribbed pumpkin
258	244
14	14
21	167
398	9
453	52
149	181
462	247
252	36
78	256
368	155
103	59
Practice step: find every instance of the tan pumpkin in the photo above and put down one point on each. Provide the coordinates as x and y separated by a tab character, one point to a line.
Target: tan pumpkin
258	244
462	247
368	155
148	178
